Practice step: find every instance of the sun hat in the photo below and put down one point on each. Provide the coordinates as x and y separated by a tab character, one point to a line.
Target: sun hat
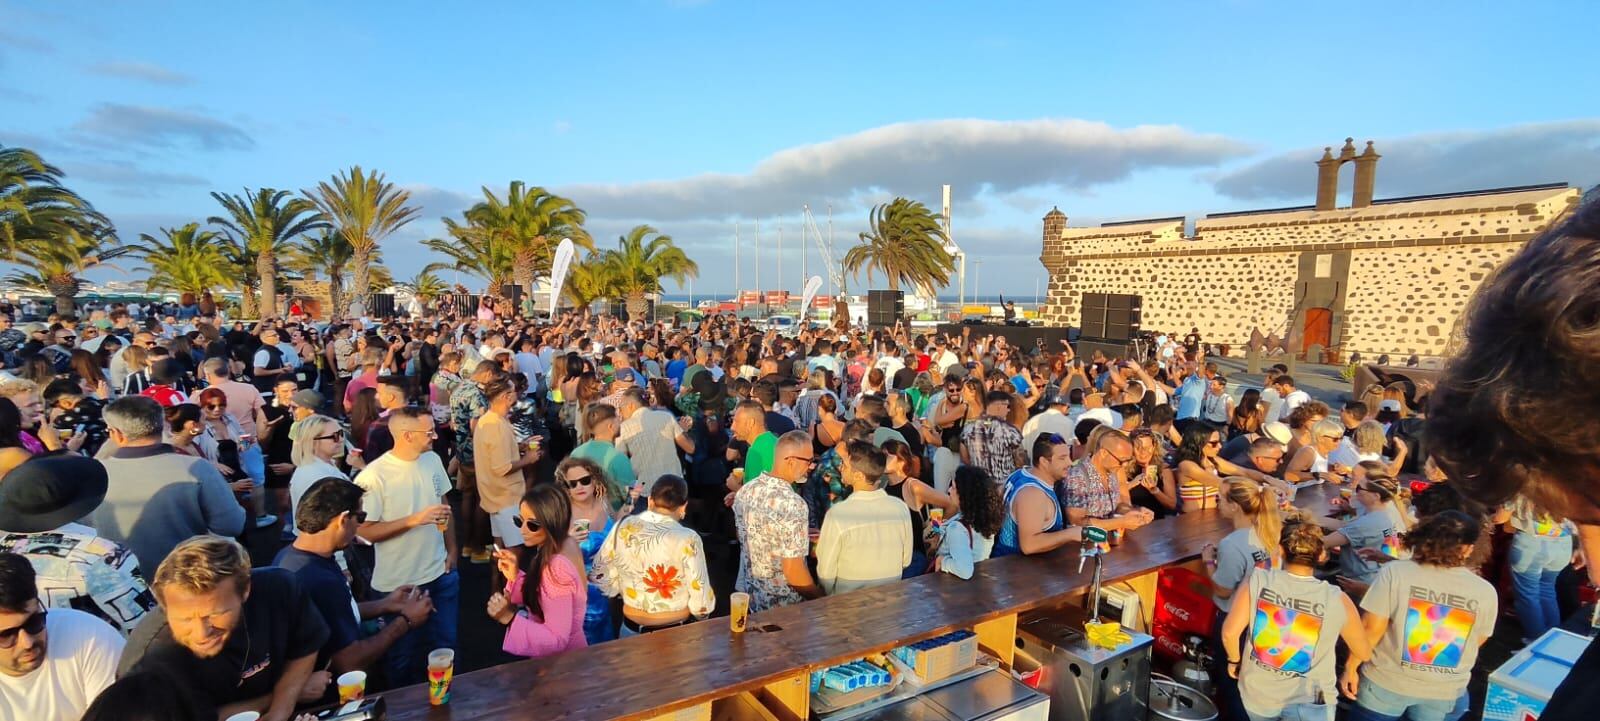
48	492
1277	431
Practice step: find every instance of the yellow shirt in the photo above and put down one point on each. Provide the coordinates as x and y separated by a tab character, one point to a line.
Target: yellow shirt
494	449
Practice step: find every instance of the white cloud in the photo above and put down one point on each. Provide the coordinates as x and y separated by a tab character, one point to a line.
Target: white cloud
130	180
1439	162
149	126
913	159
135	70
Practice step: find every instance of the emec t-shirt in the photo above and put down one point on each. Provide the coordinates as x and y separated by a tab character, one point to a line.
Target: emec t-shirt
1294	630
1438	617
1238	553
1380	530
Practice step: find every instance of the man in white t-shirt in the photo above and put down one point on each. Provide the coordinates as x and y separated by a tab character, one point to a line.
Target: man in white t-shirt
650	438
1292	397
1053	420
413	532
52	664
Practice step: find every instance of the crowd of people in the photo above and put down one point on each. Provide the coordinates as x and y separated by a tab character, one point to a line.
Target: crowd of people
599	468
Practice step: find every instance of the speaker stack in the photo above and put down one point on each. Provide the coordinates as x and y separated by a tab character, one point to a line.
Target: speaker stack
1109	322
513	293
885	307
380	305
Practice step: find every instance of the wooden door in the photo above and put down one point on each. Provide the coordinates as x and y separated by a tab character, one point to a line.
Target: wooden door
1318	329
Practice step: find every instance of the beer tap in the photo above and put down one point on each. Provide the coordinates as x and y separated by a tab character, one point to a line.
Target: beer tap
1090	547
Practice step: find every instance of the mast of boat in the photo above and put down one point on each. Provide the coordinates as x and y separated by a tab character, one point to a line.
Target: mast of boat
735	261
780	258
836	289
759	297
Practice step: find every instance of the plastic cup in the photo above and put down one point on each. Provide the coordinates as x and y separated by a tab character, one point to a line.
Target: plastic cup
738	611
443	524
581	525
245	716
352	686
441	669
739	474
936	515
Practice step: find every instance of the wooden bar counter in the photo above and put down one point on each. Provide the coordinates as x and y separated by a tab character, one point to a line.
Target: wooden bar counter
646	676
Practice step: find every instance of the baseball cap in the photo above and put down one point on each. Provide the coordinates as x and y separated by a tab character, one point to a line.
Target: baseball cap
307	398
1389	404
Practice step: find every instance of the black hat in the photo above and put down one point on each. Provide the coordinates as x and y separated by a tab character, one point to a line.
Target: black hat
47	492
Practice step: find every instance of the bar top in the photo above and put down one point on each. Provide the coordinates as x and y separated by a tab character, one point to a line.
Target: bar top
643	676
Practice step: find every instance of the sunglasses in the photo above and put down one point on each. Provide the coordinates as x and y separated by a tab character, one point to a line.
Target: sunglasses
583	480
810	461
358	516
531	524
329	437
33	626
216	406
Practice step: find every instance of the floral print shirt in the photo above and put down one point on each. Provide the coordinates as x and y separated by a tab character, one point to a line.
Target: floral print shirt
1085	488
466	403
656	565
772	523
992	445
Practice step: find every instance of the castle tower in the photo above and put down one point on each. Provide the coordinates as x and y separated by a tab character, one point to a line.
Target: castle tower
1366	177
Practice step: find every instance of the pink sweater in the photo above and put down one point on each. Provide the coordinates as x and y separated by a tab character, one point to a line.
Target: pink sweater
561	597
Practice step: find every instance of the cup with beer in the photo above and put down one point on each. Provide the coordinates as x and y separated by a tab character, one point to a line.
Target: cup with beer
352	686
441	669
441	518
738	611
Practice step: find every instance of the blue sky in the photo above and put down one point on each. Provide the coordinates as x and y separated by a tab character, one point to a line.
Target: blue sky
694	115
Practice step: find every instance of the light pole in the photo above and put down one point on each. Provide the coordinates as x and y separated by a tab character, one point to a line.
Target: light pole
977	270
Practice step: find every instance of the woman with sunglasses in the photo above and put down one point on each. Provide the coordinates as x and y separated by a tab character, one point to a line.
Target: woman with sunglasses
600	446
543	605
1378	527
1311	460
1201	468
318	443
592	521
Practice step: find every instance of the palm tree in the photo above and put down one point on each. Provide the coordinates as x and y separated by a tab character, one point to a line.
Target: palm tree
325	254
906	243
489	256
426	286
364	209
265	222
34	205
55	265
637	266
186	260
530	222
587	281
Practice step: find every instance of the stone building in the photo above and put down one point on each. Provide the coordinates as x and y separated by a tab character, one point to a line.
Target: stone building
1381	276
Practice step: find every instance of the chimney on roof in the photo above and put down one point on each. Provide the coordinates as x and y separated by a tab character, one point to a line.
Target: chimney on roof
1366	177
1327	180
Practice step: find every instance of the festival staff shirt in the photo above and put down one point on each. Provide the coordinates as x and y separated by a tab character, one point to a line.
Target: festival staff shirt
1294	631
1238	553
1380	530
1438	617
280	625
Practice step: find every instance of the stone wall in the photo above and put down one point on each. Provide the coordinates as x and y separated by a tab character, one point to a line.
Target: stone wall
1413	265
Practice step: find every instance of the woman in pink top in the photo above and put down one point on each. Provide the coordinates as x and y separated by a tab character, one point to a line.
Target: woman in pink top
542	608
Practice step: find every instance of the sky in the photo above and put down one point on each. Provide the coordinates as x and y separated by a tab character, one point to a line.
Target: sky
701	118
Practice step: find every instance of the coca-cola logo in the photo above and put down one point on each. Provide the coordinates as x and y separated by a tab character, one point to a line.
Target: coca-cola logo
1170	645
1179	611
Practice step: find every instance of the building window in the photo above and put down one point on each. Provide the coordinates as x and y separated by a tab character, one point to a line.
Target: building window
1324	265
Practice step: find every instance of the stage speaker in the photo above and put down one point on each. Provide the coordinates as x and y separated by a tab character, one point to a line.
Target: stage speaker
380	305
885	307
513	293
1092	314
465	304
620	310
1112	316
1085	348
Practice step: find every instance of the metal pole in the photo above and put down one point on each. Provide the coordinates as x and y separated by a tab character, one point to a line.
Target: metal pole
736	261
760	299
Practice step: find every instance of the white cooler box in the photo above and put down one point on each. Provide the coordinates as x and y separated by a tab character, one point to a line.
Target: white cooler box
1520	688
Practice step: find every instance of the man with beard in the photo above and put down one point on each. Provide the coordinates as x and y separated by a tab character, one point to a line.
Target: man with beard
52	663
244	640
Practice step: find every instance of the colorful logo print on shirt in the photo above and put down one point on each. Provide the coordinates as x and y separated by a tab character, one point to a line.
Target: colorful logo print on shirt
1436	634
1391	546
1285	638
1547	526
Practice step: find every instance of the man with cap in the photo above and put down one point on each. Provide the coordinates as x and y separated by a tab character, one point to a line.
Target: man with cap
1238	447
40	504
53	661
1054	419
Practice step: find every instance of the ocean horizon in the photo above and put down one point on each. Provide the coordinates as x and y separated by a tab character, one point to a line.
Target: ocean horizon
943	298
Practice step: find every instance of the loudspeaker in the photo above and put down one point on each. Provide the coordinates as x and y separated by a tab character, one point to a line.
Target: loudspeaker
620	310
513	293
1085	348
465	304
380	305
1112	316
885	307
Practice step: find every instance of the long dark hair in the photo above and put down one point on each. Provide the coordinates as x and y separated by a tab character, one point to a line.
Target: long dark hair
10	424
554	511
981	506
1193	447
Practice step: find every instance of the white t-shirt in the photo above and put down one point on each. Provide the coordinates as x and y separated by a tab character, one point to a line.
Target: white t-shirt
1295	399
395	489
649	439
80	662
529	365
306	476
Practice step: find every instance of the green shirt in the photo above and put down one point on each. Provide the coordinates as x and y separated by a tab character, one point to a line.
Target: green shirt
759	459
619	470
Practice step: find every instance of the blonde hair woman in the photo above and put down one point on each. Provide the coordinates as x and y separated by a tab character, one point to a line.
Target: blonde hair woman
318	442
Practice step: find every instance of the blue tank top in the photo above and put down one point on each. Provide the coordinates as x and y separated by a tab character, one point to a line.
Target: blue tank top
1006	543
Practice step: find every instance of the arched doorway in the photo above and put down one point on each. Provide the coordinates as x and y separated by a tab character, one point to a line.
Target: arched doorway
1318	329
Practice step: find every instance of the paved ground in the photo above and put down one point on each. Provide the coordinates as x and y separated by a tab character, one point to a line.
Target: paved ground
1322	382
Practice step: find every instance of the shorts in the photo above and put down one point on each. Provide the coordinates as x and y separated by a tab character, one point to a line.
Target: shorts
503	527
467	478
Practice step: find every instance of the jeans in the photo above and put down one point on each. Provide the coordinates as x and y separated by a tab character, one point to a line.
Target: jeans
1299	712
255	466
1536	561
405	661
1376	703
